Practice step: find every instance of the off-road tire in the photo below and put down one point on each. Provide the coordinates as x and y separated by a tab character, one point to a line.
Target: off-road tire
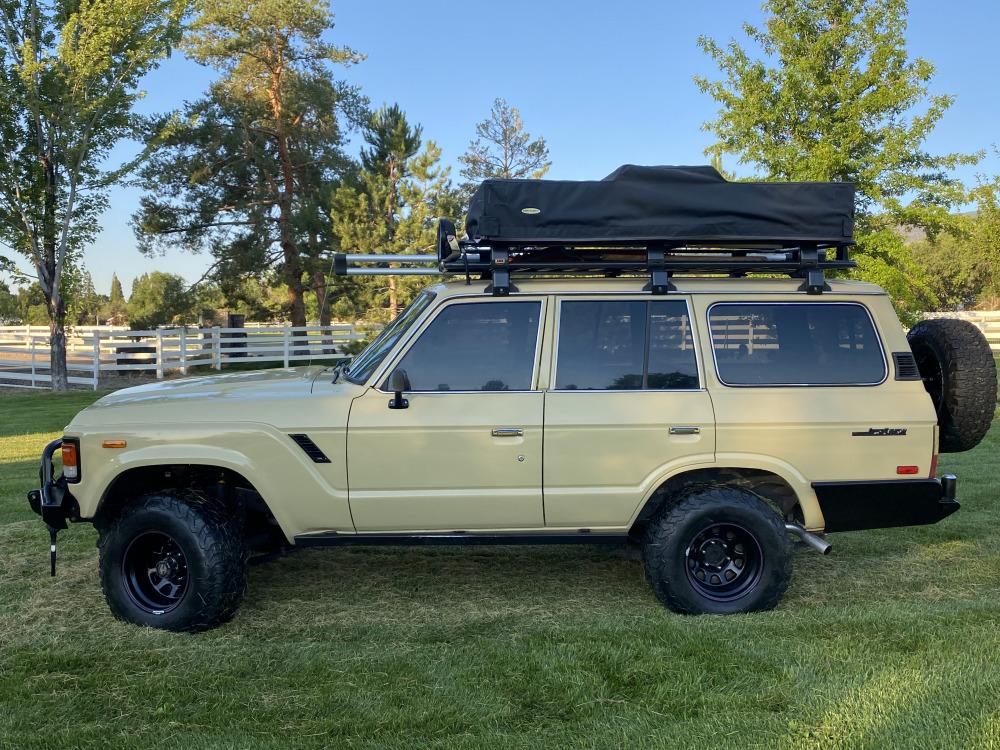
671	534
960	374
213	554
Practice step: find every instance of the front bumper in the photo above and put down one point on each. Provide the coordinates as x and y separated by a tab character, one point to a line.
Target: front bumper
851	506
53	501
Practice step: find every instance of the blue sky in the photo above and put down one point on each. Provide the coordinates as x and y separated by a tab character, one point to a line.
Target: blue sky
606	83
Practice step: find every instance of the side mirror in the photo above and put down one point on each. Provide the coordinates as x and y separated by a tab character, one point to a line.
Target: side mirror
398	382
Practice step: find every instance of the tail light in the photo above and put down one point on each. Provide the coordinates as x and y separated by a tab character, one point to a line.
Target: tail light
934	465
71	460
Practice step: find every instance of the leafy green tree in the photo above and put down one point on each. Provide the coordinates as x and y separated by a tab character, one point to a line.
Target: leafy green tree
503	149
245	172
158	299
963	268
9	312
832	94
69	75
392	207
85	306
31	306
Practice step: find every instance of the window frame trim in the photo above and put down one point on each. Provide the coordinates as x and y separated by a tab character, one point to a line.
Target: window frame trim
629	297
405	346
786	303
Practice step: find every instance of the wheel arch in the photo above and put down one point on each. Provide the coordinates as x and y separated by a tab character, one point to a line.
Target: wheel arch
789	493
220	484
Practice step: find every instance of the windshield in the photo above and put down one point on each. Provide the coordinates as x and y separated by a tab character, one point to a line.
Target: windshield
368	361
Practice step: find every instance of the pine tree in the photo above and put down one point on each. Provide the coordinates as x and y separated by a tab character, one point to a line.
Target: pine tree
116	302
503	149
245	174
392	208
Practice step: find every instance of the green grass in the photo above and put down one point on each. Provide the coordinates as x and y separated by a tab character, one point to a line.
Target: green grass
891	641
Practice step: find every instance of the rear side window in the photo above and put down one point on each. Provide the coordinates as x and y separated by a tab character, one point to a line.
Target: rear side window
481	346
804	343
625	345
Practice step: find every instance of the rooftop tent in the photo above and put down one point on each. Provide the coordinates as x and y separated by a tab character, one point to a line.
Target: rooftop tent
671	205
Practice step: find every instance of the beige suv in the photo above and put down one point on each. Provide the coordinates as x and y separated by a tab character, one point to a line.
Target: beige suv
713	421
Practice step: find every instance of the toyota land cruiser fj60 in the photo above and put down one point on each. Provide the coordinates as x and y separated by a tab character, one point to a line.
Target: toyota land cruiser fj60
592	374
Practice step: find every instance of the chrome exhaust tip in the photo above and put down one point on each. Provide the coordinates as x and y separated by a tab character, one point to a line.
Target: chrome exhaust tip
815	541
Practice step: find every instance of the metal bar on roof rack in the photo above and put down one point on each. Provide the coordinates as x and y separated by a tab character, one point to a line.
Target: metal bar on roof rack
393	272
357	258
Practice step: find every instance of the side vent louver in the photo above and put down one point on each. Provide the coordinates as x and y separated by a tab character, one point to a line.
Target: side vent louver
906	366
311	449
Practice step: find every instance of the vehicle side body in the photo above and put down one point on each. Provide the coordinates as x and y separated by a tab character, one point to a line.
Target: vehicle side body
581	462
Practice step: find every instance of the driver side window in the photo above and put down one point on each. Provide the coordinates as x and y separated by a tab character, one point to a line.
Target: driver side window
479	346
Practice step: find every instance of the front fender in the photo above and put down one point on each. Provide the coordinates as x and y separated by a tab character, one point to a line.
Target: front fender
301	495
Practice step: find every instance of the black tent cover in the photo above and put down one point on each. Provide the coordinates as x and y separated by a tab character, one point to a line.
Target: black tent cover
661	204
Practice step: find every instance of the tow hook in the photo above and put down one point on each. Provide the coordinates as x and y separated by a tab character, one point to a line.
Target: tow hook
815	541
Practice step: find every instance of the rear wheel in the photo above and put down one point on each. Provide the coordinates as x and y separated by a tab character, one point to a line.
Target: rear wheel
171	560
718	550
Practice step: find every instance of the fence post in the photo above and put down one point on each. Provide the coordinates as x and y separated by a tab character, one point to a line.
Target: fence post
285	341
32	340
97	357
159	353
182	341
217	346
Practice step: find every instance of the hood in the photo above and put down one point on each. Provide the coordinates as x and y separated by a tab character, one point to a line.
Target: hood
237	385
258	396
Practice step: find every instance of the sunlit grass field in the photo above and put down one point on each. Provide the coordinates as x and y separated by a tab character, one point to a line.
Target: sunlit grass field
892	641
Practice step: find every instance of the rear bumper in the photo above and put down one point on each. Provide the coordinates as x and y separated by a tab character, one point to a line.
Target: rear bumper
851	506
53	501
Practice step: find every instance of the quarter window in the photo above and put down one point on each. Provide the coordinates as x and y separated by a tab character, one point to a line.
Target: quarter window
806	343
480	346
625	345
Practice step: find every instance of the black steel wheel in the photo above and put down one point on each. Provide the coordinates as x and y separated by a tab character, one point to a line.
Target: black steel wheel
723	561
718	549
172	560
155	571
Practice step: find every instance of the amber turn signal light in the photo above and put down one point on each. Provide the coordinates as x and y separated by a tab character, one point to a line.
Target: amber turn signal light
70	461
113	444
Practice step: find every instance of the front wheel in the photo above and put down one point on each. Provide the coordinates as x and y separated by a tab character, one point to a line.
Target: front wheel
171	560
718	550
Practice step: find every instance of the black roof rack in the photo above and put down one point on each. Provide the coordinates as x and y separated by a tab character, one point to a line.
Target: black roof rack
659	221
498	261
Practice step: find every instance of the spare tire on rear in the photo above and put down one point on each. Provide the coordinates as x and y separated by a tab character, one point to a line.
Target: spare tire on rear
960	374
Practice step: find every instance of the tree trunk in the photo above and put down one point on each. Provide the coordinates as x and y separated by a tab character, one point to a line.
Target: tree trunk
293	280
393	298
293	260
57	350
50	282
322	303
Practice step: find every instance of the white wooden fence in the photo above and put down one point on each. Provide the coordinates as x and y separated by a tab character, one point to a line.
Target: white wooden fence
93	351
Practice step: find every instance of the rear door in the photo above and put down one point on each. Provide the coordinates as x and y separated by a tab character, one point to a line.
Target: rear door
626	404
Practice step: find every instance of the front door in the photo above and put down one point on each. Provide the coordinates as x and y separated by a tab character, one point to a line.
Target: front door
626	405
466	452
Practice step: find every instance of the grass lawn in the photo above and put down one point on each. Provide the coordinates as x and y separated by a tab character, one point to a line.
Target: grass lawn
891	641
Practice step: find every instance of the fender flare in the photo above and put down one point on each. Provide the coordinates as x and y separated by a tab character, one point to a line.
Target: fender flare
804	493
